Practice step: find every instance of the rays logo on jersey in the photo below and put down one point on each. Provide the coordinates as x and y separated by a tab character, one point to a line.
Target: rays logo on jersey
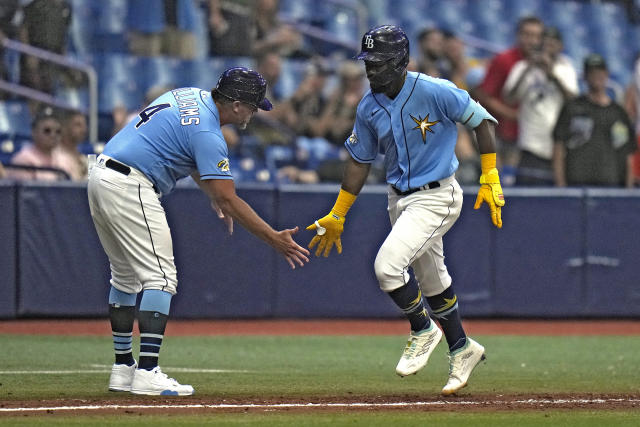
353	139
424	125
223	165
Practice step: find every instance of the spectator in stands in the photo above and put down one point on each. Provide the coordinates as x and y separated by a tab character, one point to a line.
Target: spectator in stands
46	131
304	108
540	84
67	153
46	25
162	27
231	29
8	10
432	60
269	126
632	105
594	138
302	114
465	72
3	173
271	34
269	64
339	116
489	93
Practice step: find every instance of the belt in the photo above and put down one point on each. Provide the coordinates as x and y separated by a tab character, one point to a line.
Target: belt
429	186
123	169
118	167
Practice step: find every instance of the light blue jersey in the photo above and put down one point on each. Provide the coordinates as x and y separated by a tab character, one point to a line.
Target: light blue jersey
416	131
174	136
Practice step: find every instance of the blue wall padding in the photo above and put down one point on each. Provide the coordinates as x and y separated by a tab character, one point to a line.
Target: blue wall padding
220	275
561	253
63	269
342	285
8	277
612	267
533	252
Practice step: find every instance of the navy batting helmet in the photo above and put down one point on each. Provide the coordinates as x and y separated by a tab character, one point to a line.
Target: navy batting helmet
244	85
385	44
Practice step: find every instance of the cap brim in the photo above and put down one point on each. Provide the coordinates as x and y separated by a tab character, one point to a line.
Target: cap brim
265	105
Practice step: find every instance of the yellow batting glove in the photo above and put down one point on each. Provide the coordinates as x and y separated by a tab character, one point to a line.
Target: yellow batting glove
490	189
328	231
329	228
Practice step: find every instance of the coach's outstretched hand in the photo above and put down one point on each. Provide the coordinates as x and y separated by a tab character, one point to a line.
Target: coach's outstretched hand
290	250
328	231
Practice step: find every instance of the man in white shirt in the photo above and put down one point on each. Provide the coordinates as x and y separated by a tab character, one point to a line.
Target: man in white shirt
541	85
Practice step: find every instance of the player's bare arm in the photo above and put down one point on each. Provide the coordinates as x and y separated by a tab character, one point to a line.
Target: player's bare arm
228	220
355	175
485	135
222	192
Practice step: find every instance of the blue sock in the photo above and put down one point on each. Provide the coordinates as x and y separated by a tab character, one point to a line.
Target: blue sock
152	320
409	299
122	311
444	307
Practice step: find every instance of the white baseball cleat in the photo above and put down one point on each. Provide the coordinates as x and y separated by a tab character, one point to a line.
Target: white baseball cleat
461	364
157	383
419	347
121	377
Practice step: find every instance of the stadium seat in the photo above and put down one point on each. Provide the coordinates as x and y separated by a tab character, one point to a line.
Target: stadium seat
313	151
277	156
15	119
98	32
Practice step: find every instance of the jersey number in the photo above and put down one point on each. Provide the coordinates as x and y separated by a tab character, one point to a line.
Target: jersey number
145	115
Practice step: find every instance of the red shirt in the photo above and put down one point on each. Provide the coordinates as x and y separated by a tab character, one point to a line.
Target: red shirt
494	80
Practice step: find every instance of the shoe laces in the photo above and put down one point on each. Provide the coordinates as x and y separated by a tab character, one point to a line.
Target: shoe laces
411	348
165	376
452	362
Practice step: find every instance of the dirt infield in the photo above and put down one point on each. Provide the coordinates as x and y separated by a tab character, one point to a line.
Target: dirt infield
327	327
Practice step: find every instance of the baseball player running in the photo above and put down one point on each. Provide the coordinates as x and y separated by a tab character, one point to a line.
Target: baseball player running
176	136
411	118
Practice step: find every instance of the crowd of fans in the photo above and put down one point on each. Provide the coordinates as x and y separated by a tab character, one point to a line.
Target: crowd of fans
549	133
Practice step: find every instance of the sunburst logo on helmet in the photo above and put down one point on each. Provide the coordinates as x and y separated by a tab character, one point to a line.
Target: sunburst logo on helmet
223	165
424	125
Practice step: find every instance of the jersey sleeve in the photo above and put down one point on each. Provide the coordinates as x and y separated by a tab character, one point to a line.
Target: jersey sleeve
211	156
362	144
453	101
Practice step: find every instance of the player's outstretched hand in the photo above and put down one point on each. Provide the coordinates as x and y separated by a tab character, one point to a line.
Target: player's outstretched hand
228	220
292	252
491	193
328	231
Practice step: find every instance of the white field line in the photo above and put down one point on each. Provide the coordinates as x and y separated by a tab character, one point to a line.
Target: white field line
525	402
101	369
188	370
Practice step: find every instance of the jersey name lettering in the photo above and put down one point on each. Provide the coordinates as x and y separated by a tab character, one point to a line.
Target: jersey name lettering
185	100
